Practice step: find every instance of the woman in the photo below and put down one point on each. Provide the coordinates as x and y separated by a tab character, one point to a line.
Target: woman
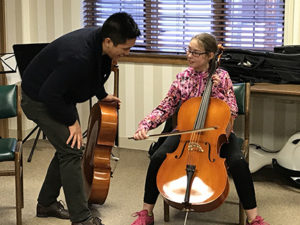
191	83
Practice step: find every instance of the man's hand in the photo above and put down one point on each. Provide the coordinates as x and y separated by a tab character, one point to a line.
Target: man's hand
75	135
112	99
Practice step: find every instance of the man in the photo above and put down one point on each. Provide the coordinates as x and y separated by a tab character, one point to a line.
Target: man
72	69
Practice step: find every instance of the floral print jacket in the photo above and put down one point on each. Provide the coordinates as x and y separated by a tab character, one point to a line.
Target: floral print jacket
188	84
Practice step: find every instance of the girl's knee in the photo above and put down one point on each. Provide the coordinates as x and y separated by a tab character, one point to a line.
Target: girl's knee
158	157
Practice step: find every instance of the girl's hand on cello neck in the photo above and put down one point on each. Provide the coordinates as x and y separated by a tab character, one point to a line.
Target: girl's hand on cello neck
216	80
140	135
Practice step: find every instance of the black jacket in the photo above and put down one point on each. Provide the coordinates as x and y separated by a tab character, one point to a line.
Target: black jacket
69	70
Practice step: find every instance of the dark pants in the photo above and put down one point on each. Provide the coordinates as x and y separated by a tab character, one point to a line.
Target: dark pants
237	166
65	167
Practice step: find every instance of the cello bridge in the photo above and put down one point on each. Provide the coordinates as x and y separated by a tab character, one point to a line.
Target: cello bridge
194	146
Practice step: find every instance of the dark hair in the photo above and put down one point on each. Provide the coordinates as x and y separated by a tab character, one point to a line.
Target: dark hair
120	27
208	42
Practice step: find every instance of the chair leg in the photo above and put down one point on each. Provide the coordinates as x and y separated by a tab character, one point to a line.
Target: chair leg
166	212
18	189
19	215
242	218
21	176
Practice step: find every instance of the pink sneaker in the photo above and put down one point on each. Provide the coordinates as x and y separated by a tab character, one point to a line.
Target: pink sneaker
143	218
257	221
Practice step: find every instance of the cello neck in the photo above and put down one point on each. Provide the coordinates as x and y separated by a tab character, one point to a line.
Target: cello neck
115	69
201	116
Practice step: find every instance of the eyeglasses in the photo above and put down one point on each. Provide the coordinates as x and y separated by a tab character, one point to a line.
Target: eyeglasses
194	53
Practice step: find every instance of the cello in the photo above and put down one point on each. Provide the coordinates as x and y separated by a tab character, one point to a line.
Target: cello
194	177
101	136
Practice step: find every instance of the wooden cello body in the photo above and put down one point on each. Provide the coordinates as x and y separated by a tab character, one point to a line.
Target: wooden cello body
194	176
209	183
96	160
101	136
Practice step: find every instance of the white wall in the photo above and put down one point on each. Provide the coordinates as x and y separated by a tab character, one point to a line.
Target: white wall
292	22
40	21
142	86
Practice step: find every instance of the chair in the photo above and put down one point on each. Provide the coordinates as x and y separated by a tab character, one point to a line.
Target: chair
11	148
242	93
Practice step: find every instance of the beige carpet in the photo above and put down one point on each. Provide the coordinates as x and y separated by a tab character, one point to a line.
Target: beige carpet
278	201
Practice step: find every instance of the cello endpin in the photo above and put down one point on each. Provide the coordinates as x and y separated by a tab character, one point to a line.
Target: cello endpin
186	215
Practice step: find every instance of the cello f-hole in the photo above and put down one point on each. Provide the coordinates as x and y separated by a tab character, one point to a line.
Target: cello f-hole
182	150
209	152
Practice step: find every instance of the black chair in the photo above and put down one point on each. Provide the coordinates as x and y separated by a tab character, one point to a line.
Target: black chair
24	53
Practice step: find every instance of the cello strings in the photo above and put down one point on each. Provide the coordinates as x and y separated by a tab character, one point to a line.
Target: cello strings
200	119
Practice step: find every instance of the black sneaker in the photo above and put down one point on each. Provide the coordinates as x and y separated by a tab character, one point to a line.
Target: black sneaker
56	209
90	221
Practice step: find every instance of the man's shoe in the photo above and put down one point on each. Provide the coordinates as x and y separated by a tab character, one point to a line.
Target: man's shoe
143	218
56	209
90	221
257	221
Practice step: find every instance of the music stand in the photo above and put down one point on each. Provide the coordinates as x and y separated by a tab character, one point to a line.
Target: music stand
24	53
5	66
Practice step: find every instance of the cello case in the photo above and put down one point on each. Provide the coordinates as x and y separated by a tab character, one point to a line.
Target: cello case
285	161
